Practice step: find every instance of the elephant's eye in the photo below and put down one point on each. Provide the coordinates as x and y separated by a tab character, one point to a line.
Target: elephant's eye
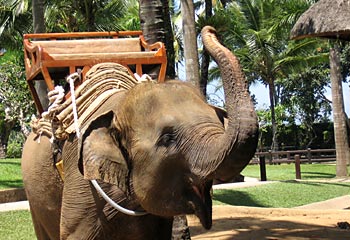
167	137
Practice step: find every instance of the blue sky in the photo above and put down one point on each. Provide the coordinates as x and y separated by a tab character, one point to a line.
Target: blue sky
262	95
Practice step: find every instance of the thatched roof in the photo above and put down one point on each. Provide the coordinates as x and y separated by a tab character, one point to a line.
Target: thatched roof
326	18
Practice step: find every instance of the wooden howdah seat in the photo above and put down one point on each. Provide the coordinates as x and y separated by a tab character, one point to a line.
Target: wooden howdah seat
51	57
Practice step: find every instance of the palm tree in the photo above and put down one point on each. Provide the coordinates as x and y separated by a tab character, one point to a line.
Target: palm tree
38	16
15	19
87	15
259	35
156	26
190	42
39	27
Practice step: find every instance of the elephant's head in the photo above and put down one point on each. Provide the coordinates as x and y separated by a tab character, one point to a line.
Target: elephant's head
167	144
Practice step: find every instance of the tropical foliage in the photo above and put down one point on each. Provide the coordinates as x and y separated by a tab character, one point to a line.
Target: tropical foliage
258	33
16	105
295	72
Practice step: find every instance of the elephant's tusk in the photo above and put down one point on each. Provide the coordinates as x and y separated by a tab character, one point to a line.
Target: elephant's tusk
114	204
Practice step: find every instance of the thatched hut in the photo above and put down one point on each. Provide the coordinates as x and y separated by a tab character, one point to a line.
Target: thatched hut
326	18
331	19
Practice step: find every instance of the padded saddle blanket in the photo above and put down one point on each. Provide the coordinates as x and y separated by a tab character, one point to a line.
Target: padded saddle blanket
101	83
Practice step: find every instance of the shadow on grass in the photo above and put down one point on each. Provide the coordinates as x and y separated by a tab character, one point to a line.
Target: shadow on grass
4	184
10	163
317	183
236	198
316	175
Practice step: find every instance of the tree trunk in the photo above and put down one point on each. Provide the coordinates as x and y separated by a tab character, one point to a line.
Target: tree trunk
4	137
190	42
156	26
205	56
2	150
89	15
39	27
340	131
274	146
152	22
169	41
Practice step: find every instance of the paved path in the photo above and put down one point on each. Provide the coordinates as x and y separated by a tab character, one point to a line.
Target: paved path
22	205
249	182
339	203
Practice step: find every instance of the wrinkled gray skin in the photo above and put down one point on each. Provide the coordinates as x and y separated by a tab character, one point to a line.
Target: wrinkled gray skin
155	147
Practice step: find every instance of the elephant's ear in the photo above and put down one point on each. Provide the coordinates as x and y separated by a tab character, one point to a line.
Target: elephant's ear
100	154
222	114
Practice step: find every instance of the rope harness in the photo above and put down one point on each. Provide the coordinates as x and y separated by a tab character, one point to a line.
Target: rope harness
65	117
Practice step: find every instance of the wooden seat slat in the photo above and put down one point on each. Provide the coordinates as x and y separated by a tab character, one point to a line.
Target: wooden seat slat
121	55
90	46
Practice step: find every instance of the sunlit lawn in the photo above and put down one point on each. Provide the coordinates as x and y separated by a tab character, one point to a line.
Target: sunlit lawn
16	225
282	194
10	173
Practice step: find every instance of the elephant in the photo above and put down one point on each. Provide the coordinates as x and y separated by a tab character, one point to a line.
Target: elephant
155	148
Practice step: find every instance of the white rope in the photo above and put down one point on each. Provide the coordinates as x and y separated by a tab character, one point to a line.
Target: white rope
143	78
71	78
56	96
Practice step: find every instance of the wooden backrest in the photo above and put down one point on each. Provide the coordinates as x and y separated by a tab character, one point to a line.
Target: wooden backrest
90	45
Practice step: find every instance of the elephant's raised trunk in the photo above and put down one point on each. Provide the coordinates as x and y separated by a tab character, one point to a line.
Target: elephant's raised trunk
238	144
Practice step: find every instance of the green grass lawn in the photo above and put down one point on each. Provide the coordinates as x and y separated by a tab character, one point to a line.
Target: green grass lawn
16	225
286	194
10	173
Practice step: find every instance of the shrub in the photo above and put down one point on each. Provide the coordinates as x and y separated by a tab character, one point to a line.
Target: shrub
15	144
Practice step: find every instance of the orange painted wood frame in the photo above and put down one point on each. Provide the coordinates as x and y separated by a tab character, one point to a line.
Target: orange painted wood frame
52	56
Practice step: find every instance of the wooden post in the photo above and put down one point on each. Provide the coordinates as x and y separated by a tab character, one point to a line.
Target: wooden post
262	168
309	155
270	154
297	166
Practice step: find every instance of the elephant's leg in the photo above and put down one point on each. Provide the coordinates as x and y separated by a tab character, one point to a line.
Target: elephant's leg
43	186
40	231
180	229
80	216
